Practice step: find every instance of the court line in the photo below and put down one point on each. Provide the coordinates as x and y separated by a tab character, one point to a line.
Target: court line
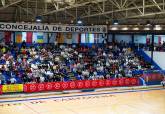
31	109
57	97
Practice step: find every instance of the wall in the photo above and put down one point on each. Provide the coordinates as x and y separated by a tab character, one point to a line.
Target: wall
158	57
125	38
140	39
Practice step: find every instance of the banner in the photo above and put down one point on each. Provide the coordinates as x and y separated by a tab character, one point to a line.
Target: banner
80	84
0	89
12	88
29	37
51	28
7	37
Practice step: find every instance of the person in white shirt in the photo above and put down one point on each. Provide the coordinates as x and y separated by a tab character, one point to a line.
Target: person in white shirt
42	79
12	80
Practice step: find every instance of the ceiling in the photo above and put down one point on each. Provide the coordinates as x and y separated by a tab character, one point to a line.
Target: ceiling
89	11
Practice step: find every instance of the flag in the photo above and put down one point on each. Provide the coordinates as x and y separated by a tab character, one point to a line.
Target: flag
69	35
29	36
159	40
18	36
60	38
147	40
7	37
40	37
24	36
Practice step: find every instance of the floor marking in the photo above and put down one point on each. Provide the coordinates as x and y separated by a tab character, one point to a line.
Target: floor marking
31	109
57	97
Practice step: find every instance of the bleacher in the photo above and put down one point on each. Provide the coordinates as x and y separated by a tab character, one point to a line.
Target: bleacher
49	63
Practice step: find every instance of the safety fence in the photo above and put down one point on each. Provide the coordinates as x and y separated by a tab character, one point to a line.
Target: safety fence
71	85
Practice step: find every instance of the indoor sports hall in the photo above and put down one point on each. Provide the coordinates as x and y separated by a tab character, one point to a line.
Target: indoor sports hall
82	57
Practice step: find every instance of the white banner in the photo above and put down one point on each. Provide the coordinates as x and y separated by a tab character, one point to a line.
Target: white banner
52	28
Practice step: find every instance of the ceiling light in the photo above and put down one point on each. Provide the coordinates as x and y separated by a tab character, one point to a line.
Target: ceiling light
115	22
114	28
125	28
79	22
38	19
136	28
157	27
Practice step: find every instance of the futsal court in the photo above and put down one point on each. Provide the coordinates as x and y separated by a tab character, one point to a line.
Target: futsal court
107	102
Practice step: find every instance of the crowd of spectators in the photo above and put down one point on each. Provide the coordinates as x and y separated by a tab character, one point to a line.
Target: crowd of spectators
50	63
156	47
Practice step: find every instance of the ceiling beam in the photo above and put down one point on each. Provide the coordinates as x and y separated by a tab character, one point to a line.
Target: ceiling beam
120	10
13	3
72	6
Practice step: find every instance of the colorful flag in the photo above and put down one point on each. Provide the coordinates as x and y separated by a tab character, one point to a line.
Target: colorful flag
147	40
40	37
159	40
29	36
18	36
7	37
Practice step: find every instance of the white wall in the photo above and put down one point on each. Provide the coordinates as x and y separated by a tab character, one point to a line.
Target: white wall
140	39
125	38
158	57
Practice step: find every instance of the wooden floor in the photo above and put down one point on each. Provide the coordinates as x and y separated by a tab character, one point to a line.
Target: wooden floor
139	102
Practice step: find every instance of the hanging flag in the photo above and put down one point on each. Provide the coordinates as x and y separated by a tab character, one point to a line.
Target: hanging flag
69	36
7	37
159	40
29	36
24	36
18	37
40	37
34	37
147	40
58	37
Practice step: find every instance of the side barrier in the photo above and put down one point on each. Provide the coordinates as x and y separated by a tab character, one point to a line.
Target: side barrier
81	84
0	89
12	88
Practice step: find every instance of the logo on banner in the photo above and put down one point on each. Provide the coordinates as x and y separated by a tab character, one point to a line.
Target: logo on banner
41	87
108	82
72	85
114	82
101	83
49	86
121	82
133	81
94	83
65	85
127	81
87	83
57	86
33	87
80	84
